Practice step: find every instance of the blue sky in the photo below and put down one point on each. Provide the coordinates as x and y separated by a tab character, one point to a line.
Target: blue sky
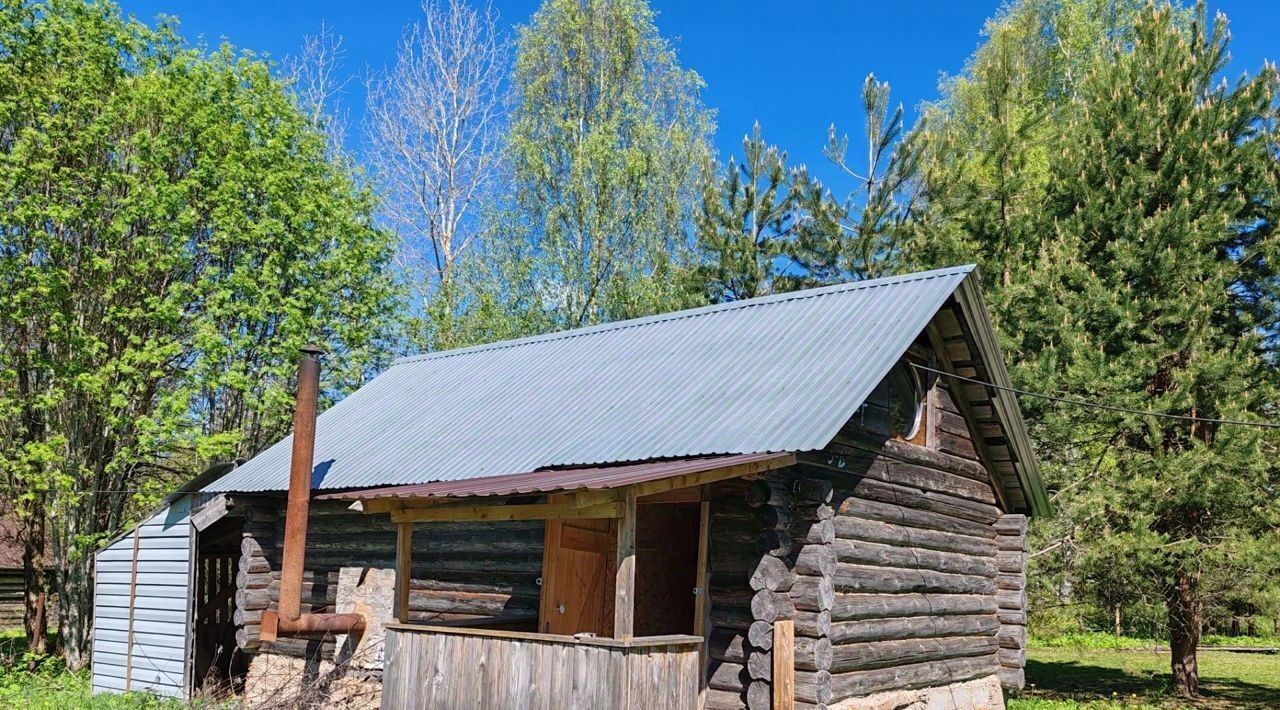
795	66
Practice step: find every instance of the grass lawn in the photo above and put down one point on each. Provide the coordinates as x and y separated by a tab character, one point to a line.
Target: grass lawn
1101	679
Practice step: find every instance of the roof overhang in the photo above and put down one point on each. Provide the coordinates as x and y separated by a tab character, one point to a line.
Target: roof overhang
974	308
585	491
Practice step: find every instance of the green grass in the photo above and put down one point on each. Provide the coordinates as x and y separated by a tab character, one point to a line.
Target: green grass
1074	678
1101	641
44	683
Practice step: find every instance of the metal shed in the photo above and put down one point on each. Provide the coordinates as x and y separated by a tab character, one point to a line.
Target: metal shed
142	597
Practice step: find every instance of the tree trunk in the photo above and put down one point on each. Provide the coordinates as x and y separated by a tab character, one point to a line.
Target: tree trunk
34	619
1118	627
75	593
1182	598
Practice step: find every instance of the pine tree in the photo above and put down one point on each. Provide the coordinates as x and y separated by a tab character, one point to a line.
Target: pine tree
747	219
1158	285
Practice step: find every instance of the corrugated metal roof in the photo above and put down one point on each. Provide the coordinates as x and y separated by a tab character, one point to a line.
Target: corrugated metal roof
779	373
597	478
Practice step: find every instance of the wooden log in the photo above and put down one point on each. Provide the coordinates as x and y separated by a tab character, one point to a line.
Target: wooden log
1011	582
883	654
731	617
1012	657
774	542
914	627
1011	524
879	554
771	573
1011	678
932	488
816	560
920	467
1015	618
1005	543
813	654
850	528
727	676
254	565
724	700
814	624
1012	600
772	493
770	606
918	675
813	490
816	532
853	607
813	593
759	695
760	664
760	635
864	579
729	645
1012	636
1012	562
913	517
814	687
875	489
812	511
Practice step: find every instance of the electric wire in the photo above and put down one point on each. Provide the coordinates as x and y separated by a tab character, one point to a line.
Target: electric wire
1099	405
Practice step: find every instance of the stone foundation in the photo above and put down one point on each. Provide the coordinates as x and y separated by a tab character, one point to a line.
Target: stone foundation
276	681
980	694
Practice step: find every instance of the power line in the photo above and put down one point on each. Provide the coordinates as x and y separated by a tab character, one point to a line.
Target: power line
1101	405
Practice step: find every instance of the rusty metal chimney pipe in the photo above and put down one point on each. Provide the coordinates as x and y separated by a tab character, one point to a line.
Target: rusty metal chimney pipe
290	620
304	453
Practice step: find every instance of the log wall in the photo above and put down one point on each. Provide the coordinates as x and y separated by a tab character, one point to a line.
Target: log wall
460	571
908	532
1011	539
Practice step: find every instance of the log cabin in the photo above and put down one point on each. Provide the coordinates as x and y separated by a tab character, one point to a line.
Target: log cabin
815	499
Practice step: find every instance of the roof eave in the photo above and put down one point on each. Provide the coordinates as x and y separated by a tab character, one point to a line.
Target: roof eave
974	307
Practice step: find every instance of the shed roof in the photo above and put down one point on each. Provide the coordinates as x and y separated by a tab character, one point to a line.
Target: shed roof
773	374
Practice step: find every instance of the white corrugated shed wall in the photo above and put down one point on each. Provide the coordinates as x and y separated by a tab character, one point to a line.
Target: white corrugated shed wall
160	609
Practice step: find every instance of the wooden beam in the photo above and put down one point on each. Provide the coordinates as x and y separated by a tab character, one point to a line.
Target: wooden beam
404	554
679	495
133	604
702	603
687	480
535	511
784	664
624	588
966	411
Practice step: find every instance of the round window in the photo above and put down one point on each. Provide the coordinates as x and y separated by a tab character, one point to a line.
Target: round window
906	400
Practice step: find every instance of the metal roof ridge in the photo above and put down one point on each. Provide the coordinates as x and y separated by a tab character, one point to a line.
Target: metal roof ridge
692	313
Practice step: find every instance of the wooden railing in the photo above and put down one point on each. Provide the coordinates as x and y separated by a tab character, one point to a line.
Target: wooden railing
449	667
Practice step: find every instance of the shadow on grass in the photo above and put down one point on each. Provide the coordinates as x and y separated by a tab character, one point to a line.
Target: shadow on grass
1081	680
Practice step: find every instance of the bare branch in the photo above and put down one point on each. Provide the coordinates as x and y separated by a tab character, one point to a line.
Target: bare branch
435	130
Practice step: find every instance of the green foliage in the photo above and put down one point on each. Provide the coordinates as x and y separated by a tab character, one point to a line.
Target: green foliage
859	236
171	232
607	140
747	223
1123	197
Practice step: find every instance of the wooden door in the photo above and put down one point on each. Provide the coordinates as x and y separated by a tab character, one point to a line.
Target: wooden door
577	574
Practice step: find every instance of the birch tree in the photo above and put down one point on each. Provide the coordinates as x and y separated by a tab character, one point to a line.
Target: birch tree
435	127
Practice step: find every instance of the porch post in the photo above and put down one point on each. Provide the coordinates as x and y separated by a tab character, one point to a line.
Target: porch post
404	546
624	589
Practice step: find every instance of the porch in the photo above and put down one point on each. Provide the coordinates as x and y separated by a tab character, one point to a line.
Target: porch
601	638
450	667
